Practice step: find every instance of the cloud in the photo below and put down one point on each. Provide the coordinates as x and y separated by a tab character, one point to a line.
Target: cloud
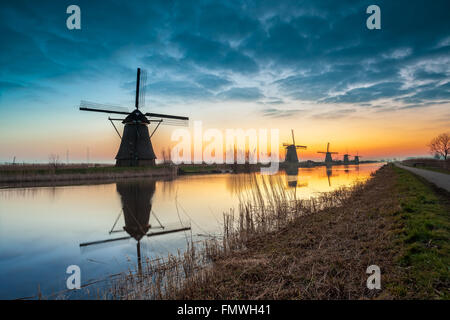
212	82
334	114
316	51
241	94
280	113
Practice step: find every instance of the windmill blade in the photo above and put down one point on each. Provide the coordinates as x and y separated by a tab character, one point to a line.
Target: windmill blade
142	88
168	119
98	107
149	234
166	116
286	144
170	122
293	140
85	244
303	147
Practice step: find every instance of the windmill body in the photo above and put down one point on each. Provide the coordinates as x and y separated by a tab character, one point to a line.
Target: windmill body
136	147
291	150
346	159
328	153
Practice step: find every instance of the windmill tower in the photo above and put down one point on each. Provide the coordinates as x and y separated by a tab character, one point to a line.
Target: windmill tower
346	158
291	150
357	158
136	147
328	153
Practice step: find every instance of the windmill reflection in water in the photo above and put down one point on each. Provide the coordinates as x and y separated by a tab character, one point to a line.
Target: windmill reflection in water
292	178
136	198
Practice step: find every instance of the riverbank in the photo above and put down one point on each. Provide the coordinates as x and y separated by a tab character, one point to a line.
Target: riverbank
320	249
37	175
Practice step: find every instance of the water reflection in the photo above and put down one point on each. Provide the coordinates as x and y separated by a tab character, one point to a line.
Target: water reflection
329	174
136	200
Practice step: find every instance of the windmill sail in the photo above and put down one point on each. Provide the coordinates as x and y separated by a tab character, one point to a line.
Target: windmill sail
99	107
136	148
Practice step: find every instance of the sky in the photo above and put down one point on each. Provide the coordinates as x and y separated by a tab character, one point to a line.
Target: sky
312	66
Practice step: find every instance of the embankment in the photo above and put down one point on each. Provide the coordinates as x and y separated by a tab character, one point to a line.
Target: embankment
45	175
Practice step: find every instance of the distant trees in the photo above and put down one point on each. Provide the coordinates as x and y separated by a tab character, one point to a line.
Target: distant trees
440	145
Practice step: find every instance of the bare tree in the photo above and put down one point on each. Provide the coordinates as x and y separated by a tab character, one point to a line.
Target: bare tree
440	145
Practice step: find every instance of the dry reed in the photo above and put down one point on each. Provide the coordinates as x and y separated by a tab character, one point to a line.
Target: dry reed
266	208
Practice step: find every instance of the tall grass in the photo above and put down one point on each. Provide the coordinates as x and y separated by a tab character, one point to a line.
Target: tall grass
74	172
264	208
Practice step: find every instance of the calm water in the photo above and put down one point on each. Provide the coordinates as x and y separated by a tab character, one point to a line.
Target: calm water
41	228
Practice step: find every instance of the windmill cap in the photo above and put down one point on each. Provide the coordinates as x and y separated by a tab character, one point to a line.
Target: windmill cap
136	116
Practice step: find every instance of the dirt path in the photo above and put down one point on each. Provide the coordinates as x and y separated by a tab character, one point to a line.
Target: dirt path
441	180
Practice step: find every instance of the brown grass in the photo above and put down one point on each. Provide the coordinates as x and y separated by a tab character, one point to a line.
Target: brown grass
41	174
317	253
276	247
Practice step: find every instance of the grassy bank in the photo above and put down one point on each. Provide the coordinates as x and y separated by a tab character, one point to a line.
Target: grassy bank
423	221
16	174
277	247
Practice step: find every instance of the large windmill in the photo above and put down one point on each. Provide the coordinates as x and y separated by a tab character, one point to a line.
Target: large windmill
136	147
328	153
291	150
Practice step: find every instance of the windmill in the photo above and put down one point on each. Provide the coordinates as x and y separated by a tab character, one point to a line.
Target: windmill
328	153
357	158
291	150
346	158
135	147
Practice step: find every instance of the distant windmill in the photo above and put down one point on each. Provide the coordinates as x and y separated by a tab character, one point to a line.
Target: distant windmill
346	158
357	158
291	150
328	153
136	148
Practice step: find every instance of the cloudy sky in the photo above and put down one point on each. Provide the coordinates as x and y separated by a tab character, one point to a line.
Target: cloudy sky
310	65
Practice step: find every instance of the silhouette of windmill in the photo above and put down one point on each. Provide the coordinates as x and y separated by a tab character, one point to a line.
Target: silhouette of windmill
135	147
291	150
346	158
328	153
356	160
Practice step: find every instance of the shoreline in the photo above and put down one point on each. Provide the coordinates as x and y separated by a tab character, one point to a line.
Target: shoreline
45	175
